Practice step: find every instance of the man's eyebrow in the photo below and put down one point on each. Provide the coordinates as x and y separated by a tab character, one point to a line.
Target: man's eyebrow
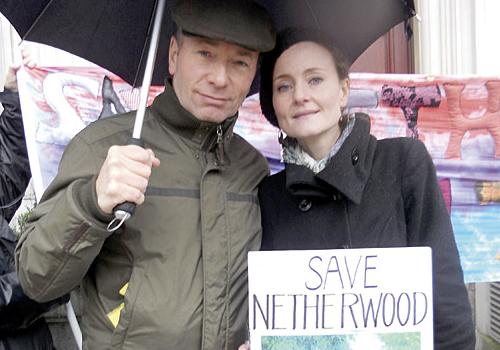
245	52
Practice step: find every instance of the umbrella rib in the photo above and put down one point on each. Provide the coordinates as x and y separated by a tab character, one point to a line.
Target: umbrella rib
143	53
37	19
312	13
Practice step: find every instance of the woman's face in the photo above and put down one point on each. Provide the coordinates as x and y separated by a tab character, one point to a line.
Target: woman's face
307	94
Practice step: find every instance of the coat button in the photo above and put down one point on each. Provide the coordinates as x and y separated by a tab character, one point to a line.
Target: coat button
305	205
355	156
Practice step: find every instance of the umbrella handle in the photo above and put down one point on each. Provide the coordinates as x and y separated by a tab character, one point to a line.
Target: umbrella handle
124	211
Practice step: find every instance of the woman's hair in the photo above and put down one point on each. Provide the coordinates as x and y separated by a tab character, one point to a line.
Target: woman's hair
286	39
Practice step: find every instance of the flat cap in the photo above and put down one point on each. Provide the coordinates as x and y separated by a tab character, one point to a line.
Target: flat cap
242	22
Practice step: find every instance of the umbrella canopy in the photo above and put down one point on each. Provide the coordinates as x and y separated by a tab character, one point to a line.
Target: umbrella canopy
114	34
353	24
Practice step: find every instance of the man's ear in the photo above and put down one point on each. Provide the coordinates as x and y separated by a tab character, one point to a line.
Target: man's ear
173	52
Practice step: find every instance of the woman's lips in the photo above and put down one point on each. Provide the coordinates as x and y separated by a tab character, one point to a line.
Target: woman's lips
303	114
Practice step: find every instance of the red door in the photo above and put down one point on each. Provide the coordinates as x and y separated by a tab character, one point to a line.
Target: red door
392	53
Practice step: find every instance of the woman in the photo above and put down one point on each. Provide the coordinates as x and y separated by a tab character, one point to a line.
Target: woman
343	188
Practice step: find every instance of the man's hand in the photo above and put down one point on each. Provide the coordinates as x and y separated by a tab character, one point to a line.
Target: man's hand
124	176
10	78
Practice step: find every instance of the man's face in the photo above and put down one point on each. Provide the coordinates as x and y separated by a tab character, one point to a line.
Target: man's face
211	78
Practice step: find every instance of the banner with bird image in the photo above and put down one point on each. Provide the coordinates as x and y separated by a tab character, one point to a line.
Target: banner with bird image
457	118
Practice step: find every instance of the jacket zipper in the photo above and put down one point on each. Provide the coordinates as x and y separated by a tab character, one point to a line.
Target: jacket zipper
220	146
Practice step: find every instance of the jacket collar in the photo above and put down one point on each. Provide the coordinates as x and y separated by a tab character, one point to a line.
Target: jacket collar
168	110
347	171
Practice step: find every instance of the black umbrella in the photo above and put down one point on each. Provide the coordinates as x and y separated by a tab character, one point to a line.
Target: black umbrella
353	24
114	34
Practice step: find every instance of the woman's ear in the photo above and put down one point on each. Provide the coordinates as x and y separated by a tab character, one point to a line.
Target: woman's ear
344	92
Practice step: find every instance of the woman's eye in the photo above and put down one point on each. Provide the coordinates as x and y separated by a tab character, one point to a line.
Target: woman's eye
315	81
283	87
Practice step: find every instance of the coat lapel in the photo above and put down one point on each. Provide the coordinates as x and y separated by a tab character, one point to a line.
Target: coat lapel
347	172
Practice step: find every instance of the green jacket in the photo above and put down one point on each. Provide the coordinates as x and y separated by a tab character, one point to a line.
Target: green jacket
183	253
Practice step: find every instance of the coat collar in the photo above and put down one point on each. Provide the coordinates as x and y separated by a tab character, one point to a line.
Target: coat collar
347	171
170	113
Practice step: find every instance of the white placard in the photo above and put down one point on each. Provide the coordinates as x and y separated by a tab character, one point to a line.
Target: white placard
345	299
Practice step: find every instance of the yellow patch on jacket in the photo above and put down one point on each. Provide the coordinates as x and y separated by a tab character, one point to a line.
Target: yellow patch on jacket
114	315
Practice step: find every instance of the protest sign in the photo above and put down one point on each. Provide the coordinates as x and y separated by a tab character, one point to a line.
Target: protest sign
341	299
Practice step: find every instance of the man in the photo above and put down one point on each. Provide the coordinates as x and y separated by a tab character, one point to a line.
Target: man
174	275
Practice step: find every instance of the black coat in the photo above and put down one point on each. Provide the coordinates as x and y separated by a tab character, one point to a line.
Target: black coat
14	164
21	325
373	194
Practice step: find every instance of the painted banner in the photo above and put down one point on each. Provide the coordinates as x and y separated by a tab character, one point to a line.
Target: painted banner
346	299
458	119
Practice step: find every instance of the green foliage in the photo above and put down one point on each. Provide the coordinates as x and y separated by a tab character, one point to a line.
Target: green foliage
22	219
398	341
388	341
487	342
333	342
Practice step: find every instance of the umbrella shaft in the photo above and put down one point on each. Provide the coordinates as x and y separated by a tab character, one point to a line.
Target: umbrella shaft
148	72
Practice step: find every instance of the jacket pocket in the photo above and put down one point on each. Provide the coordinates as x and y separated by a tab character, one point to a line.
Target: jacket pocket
243	220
